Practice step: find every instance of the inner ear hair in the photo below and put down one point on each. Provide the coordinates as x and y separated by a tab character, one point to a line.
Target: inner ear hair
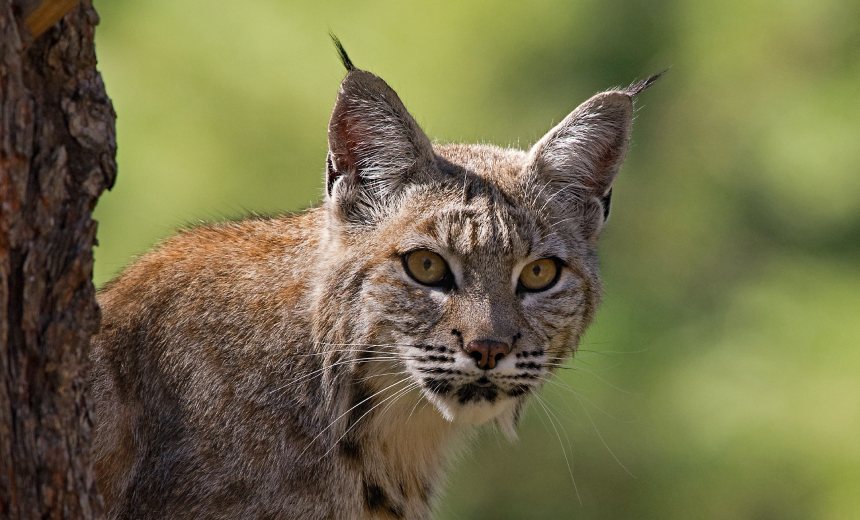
373	139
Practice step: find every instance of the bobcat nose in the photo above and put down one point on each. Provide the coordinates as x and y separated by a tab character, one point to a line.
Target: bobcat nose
487	352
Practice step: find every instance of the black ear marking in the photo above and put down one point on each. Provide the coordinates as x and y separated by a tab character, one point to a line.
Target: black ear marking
330	173
377	501
641	86
606	201
344	57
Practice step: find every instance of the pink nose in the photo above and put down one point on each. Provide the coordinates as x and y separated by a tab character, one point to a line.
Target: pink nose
487	353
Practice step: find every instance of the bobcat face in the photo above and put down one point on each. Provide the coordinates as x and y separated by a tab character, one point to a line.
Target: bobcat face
474	335
471	270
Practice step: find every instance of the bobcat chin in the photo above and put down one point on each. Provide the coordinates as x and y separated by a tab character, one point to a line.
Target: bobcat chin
327	364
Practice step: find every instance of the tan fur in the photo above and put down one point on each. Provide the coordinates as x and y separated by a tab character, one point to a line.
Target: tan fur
289	368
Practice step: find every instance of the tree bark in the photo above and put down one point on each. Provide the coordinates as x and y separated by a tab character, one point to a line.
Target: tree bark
57	155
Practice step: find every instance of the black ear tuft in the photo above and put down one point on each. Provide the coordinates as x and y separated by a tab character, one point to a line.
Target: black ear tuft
344	57
641	86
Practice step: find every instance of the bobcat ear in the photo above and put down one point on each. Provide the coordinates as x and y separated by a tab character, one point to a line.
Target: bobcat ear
374	144
582	155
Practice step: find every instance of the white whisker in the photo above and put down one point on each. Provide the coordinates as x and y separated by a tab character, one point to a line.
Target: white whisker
377	405
600	436
318	371
561	445
339	417
561	385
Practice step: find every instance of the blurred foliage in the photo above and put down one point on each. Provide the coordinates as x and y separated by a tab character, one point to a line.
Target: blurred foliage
722	378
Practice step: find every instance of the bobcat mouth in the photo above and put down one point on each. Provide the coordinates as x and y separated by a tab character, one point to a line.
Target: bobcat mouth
481	390
484	383
449	384
476	399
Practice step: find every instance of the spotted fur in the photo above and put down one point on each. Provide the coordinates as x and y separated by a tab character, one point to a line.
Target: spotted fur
288	367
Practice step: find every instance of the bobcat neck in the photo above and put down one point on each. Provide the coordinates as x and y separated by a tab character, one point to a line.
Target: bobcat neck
381	430
397	452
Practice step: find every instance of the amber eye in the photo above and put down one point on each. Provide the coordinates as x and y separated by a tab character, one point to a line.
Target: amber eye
539	275
427	267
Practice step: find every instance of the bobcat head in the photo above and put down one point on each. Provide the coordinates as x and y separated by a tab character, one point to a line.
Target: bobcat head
467	272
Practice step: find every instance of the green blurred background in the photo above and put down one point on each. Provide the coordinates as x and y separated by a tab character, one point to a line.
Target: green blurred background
722	377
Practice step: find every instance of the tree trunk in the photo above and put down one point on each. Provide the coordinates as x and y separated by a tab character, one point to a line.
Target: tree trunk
57	150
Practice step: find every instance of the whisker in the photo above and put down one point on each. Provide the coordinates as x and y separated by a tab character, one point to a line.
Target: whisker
405	391
384	356
600	436
561	385
559	361
579	360
574	357
561	445
365	344
424	402
374	376
374	407
611	352
417	402
339	417
326	352
348	351
558	365
607	382
554	412
318	371
599	368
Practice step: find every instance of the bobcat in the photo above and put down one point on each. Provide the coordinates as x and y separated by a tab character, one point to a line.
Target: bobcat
327	364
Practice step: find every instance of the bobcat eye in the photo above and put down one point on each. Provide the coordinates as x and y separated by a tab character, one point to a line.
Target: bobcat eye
540	275
427	267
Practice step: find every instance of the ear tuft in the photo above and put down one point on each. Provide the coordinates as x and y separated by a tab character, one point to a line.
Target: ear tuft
375	146
641	86
341	52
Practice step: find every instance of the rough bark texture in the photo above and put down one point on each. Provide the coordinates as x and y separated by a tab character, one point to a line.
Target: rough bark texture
57	149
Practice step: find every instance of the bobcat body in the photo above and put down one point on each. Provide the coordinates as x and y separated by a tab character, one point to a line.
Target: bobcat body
328	364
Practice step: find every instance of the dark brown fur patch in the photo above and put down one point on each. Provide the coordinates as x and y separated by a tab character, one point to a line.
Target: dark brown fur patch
470	392
361	404
377	501
350	449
